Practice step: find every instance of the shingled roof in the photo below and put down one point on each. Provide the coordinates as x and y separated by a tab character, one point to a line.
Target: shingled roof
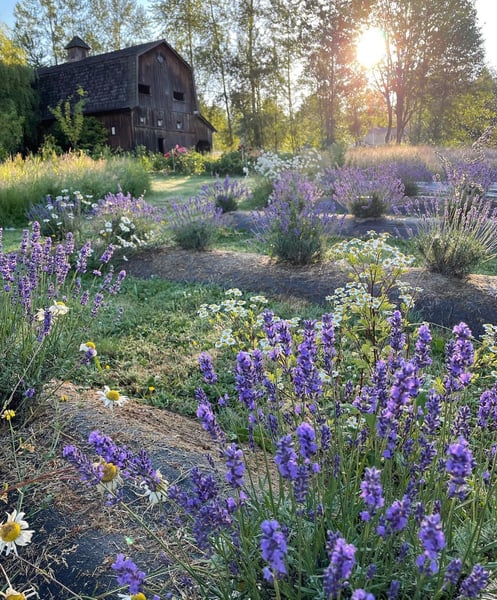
110	79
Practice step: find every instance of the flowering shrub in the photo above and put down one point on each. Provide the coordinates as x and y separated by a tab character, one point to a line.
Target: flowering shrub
184	161
125	222
293	224
370	192
43	302
457	228
61	215
272	166
226	194
193	222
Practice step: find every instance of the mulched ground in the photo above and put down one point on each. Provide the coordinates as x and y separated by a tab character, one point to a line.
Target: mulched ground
443	301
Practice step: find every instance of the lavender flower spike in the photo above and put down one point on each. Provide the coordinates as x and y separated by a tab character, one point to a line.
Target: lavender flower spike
274	549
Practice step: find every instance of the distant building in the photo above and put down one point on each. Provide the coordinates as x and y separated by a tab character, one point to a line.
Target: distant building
376	136
144	95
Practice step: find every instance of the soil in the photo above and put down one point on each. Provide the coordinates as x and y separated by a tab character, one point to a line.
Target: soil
76	536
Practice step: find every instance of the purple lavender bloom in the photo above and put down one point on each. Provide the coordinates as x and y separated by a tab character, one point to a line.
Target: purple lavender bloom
475	582
127	573
235	465
361	594
274	547
459	465
393	590
459	358
97	303
453	572
116	286
396	516
301	484
108	450
208	418
286	458
306	377
487	410
328	340
249	373
306	437
342	560
372	491
423	347
431	422
89	473
205	362
84	255
107	255
461	425
397	340
433	540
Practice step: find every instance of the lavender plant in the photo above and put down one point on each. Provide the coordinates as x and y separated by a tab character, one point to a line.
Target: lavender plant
379	488
226	194
44	298
294	222
366	193
458	226
193	223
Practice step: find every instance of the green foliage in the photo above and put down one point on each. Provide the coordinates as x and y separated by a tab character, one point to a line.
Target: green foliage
372	207
194	236
229	163
24	182
261	190
69	117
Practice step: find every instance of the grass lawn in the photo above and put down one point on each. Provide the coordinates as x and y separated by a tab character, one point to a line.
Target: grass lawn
168	187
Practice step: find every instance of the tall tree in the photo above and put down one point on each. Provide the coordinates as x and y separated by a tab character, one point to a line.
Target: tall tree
331	33
427	43
44	27
17	100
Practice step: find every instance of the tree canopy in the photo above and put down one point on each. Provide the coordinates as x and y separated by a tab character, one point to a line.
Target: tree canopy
282	74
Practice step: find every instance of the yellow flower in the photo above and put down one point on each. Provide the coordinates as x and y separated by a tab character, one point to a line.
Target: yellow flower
12	594
64	397
151	388
111	478
14	532
8	414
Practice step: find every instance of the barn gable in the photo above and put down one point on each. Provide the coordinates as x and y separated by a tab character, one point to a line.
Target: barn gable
144	95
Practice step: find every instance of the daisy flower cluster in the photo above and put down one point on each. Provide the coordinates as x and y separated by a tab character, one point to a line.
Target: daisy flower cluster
14	532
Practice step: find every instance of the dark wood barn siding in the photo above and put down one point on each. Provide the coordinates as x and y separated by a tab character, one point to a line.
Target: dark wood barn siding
119	128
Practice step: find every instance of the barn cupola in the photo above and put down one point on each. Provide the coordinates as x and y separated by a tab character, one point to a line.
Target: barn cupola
77	49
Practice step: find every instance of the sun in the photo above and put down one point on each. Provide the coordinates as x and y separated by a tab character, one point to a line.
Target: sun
371	47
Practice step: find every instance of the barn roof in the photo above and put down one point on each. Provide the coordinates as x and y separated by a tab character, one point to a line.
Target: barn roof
109	79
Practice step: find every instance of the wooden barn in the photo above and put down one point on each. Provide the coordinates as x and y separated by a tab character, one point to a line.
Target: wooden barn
144	95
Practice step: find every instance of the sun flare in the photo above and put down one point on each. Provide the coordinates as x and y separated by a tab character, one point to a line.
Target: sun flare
371	47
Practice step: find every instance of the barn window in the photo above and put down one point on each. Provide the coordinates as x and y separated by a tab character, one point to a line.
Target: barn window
143	89
142	120
113	131
179	125
160	122
179	96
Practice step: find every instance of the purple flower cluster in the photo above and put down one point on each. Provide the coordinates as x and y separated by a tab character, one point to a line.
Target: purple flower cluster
433	540
342	561
459	358
127	573
459	465
205	362
226	194
372	492
274	549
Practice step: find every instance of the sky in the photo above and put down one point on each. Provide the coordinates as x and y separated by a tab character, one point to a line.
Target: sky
487	16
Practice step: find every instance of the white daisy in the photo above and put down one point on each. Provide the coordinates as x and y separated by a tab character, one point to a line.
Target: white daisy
111	398
160	492
58	308
111	477
14	532
12	594
138	596
88	348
